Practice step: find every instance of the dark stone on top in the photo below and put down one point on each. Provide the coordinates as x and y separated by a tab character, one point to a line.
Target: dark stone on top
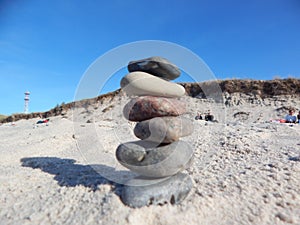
156	66
142	191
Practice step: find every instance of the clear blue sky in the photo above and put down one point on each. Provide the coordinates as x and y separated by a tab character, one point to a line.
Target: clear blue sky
47	45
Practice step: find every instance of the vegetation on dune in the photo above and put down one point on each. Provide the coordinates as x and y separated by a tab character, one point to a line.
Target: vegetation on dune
262	88
2	117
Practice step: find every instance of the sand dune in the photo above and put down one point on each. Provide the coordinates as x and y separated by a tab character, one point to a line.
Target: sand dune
246	169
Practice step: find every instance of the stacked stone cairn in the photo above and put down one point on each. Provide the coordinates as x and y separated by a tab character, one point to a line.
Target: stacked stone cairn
159	156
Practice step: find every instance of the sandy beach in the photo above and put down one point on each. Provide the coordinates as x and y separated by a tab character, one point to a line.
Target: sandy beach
246	169
100	112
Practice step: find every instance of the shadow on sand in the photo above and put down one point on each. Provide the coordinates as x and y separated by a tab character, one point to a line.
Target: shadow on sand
69	174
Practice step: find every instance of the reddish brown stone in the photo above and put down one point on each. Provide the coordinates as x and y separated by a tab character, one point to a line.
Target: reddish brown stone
147	107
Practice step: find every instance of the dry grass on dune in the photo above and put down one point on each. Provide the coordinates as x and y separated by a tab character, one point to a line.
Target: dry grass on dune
262	88
2	117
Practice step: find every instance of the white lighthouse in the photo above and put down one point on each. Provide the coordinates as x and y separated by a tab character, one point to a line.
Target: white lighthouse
26	99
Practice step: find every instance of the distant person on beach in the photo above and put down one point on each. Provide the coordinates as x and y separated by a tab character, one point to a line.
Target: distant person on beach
198	117
42	121
298	116
290	118
209	117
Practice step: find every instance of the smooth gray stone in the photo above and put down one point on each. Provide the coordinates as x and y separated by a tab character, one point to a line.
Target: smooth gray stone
173	190
150	160
156	66
164	129
141	84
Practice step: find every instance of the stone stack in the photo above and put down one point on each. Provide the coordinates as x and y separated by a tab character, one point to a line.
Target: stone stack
159	156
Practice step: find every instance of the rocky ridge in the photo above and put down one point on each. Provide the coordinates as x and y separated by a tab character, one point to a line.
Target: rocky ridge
234	92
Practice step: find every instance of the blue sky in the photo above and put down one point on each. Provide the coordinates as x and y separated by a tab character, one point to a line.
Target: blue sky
46	46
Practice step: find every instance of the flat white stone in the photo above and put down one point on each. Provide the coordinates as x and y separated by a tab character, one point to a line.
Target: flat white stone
141	83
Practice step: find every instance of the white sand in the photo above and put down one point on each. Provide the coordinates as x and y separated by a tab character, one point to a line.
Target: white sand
246	170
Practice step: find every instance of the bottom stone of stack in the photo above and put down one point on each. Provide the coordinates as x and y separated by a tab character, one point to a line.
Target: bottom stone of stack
148	159
142	191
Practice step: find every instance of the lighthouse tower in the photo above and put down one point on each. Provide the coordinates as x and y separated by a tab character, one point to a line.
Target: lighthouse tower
26	99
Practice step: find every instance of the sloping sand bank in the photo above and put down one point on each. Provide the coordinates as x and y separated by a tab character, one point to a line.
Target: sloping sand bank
246	169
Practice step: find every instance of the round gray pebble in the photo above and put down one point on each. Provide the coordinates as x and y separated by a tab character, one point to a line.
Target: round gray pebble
150	160
164	129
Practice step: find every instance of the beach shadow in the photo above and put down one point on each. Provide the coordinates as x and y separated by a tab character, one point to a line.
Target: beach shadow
69	174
